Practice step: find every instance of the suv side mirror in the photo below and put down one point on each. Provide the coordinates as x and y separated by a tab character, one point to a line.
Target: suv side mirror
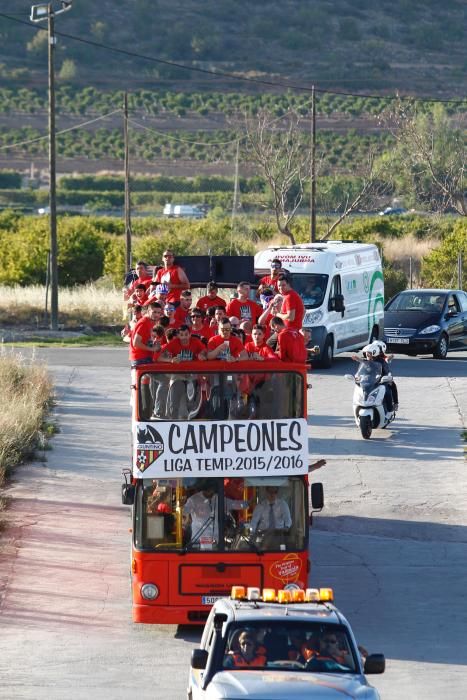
336	303
375	663
199	658
128	494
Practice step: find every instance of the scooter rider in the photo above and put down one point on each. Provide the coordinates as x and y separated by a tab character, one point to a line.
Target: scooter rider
375	352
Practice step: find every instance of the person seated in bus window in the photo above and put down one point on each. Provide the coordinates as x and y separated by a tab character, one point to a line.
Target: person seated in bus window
271	513
250	653
200	511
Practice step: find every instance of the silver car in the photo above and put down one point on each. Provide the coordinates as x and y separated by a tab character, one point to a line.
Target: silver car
268	650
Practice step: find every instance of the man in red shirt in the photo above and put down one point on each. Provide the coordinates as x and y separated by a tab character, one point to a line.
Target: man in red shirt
243	308
183	348
143	278
198	327
257	348
293	309
272	279
226	346
183	312
141	349
173	276
211	298
290	343
219	314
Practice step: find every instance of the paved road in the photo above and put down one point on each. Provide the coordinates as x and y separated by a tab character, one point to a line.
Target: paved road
392	540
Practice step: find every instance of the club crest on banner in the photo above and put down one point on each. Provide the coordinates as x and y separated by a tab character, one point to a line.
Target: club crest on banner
149	447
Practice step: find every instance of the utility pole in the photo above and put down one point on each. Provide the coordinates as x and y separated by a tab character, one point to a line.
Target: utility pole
127	186
313	168
38	13
235	196
53	179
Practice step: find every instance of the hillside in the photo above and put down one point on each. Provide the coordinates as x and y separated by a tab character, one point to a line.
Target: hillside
415	46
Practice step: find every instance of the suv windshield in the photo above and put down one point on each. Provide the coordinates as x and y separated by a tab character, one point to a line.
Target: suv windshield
312	288
220	395
259	514
291	645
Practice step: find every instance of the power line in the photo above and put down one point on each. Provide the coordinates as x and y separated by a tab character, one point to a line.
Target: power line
176	138
58	133
232	76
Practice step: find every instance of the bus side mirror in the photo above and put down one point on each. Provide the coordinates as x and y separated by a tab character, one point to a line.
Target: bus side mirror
375	663
317	498
128	494
199	658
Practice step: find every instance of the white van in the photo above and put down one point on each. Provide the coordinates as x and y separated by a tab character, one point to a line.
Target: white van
342	287
183	211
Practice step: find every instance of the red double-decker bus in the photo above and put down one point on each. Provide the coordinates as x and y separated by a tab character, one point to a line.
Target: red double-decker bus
218	485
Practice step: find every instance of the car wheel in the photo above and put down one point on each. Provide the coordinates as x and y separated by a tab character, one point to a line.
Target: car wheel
328	353
365	427
441	350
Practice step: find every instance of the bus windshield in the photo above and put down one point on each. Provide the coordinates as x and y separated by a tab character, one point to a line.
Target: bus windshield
311	287
253	514
205	396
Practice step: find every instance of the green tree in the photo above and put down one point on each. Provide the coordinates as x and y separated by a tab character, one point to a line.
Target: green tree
68	70
439	267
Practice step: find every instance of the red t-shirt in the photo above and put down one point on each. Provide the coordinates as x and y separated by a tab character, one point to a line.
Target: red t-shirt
143	328
244	310
235	345
170	275
206	302
204	332
262	350
191	352
269	282
182	316
291	346
292	300
140	300
139	280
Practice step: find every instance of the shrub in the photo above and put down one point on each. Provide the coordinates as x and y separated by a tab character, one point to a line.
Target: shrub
24	251
439	268
10	180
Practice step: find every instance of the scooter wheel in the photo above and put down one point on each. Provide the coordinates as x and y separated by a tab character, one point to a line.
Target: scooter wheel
365	427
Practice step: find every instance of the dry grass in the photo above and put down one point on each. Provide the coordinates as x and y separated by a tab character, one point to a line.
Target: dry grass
401	249
87	305
26	390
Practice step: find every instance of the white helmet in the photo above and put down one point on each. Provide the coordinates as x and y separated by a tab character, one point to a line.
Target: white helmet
372	350
381	345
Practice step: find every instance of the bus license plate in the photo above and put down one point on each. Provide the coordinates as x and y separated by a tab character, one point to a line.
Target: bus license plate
210	599
399	341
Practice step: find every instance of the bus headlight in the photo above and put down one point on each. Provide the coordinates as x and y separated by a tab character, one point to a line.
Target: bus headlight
149	591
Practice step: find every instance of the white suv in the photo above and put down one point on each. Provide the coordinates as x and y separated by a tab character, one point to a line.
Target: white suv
254	646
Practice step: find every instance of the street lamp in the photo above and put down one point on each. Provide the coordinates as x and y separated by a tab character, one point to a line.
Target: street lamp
39	13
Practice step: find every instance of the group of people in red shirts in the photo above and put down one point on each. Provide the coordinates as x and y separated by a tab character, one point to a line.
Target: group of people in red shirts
166	327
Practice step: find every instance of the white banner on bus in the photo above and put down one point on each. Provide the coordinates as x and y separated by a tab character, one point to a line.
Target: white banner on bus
224	448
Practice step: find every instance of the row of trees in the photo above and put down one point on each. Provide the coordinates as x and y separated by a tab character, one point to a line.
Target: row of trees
95	246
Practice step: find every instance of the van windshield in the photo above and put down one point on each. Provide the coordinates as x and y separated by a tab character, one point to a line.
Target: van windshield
312	288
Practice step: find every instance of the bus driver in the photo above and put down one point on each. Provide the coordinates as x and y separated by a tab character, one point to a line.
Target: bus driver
201	510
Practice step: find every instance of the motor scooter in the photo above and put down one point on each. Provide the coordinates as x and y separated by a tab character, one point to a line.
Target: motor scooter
369	406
